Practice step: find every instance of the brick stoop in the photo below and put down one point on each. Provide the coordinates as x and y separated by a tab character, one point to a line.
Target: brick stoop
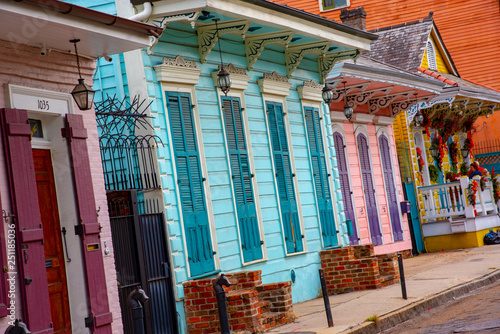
252	307
357	268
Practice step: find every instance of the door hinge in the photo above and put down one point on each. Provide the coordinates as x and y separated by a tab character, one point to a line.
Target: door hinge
89	322
79	229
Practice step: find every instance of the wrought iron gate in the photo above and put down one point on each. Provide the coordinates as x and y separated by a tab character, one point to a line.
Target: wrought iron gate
141	258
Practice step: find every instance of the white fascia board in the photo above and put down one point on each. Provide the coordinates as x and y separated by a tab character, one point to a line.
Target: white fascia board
55	30
390	77
264	16
479	94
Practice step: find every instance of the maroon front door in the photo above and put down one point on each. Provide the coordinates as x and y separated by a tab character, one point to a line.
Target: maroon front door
52	243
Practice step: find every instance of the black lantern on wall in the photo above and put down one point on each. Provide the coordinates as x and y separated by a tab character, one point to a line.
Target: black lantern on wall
327	94
348	111
83	94
434	151
223	78
419	117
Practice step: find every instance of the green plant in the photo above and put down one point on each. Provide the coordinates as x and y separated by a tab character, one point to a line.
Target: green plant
464	169
433	173
373	318
495	185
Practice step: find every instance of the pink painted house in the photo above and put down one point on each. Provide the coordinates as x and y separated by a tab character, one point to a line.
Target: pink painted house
56	253
366	150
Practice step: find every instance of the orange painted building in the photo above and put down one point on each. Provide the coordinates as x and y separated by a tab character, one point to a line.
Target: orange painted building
470	30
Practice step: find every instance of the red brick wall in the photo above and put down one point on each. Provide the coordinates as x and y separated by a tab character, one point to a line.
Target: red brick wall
356	268
251	306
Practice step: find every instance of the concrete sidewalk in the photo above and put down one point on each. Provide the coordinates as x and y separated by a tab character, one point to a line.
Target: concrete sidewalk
431	279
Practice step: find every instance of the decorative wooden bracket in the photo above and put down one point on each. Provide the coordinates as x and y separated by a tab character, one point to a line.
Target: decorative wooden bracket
208	36
254	45
294	54
164	20
398	107
424	104
327	61
382	102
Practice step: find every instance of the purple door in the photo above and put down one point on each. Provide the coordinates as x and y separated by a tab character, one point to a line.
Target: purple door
390	188
346	187
371	203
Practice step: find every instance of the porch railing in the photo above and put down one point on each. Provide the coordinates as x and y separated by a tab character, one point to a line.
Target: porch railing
449	200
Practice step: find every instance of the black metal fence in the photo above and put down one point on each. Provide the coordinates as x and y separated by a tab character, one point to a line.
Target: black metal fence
142	258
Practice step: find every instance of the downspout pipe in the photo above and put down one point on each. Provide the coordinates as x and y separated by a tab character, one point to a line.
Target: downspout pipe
146	13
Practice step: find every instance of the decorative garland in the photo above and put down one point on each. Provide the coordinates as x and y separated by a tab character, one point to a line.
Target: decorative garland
451	176
464	169
471	193
421	164
453	150
447	129
437	141
495	185
420	160
482	183
433	173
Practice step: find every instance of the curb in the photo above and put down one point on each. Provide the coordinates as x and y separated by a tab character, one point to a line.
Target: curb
413	310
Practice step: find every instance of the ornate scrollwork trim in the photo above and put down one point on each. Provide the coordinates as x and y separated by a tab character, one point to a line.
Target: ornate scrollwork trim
255	44
294	54
208	36
327	61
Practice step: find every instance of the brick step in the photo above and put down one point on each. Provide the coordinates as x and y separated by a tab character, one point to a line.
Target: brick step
265	306
388	280
272	319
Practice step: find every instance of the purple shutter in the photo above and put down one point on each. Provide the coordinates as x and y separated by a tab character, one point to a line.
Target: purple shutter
390	188
345	185
370	200
24	198
89	227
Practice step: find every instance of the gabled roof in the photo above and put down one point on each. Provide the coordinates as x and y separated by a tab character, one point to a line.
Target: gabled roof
404	45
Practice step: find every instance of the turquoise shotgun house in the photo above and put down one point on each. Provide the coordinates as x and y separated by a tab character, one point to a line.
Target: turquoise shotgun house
248	180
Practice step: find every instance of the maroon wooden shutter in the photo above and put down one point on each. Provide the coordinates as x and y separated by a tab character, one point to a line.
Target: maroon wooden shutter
24	198
4	301
100	318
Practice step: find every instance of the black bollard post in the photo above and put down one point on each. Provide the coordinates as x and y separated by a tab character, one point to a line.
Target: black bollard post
402	277
19	327
135	300
328	310
220	294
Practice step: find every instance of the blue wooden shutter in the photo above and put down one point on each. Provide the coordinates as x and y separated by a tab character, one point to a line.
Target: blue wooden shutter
345	185
242	180
370	200
390	188
320	175
284	175
190	184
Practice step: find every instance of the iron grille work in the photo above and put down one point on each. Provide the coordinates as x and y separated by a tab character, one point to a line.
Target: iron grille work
128	158
141	259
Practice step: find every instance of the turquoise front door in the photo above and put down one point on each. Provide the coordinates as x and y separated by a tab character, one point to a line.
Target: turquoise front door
413	218
190	184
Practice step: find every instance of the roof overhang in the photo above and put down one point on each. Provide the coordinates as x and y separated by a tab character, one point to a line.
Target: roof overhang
380	91
275	15
54	23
